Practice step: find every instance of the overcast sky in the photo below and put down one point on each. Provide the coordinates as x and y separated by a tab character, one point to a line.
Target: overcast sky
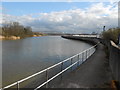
79	17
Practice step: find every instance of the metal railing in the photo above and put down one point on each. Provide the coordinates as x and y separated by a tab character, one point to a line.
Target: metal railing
81	57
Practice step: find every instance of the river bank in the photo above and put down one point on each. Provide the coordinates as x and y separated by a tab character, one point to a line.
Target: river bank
15	37
91	40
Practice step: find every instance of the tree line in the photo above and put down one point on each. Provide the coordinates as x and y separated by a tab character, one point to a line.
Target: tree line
15	29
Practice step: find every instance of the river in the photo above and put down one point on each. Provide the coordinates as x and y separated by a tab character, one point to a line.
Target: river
21	58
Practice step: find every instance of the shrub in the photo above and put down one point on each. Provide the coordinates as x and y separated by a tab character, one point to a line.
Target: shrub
111	34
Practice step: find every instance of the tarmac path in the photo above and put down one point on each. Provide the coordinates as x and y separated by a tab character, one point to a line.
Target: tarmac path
94	73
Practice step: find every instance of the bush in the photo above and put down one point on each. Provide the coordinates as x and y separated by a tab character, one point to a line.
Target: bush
111	34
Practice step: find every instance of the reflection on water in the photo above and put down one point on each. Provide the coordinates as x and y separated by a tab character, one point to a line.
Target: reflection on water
27	56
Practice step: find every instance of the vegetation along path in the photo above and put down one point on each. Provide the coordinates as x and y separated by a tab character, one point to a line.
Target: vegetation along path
94	73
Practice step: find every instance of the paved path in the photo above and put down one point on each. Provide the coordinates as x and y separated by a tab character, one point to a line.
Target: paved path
94	73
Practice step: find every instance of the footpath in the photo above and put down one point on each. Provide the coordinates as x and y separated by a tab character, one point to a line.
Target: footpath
94	73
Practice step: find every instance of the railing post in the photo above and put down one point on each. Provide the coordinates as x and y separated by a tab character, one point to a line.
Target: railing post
78	59
18	85
89	52
86	54
82	57
71	63
92	50
61	69
46	78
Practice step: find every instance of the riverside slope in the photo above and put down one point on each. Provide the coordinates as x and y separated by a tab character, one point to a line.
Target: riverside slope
94	73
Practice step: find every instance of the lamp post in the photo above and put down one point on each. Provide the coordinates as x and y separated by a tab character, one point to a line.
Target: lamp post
103	28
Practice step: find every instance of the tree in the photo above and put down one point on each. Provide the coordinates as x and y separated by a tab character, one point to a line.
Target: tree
15	29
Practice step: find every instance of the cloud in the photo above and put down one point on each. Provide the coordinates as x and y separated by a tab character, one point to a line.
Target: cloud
1	8
75	20
61	1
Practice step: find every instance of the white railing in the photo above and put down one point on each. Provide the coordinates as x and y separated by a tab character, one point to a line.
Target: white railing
81	57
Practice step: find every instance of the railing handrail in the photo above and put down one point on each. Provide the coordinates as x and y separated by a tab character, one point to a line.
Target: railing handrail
33	75
65	68
56	75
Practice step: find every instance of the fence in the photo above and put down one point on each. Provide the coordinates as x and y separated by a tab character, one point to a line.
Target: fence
114	61
81	57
